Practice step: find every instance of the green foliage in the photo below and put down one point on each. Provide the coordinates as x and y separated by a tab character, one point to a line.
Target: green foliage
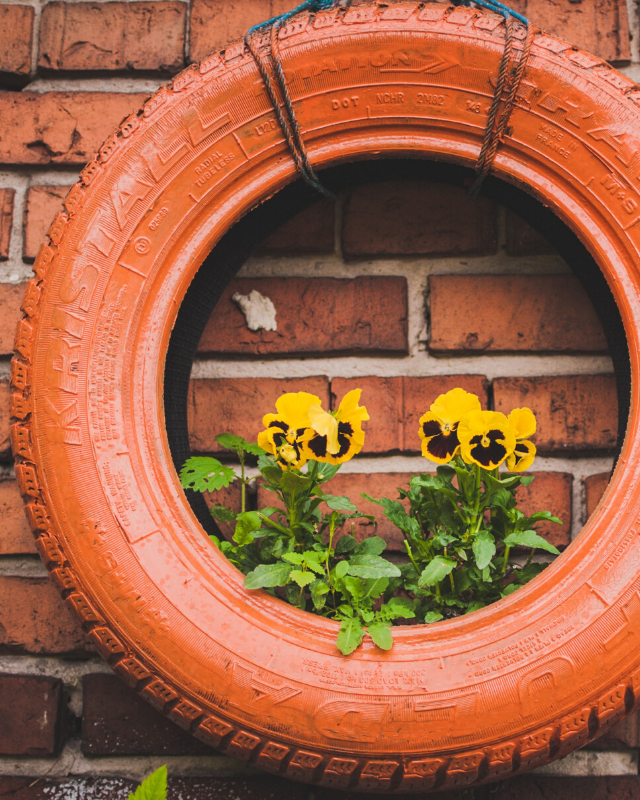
460	526
152	788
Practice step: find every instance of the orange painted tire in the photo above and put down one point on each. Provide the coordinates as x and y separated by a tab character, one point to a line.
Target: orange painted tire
469	700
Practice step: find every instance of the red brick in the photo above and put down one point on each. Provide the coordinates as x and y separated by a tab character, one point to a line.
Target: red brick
502	313
417	218
16	537
117	721
237	405
314	315
113	788
34	619
574	413
310	231
41	206
11	296
599	26
5	441
216	23
595	486
6	218
59	127
522	239
395	406
550	491
16	35
33	714
113	36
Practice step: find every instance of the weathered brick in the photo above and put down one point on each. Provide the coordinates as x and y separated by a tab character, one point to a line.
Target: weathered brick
5	441
117	721
595	486
314	315
310	231
237	405
537	787
216	23
15	534
113	36
6	218
11	296
494	313
522	239
599	26
417	218
396	405
34	619
623	736
59	127
16	34
41	206
574	413
113	788
550	491
33	714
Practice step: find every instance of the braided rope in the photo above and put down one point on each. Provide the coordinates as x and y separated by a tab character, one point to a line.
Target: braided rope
289	121
493	134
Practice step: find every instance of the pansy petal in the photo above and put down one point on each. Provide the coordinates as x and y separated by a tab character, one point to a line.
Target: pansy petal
349	410
452	406
294	408
523	422
486	438
522	457
324	424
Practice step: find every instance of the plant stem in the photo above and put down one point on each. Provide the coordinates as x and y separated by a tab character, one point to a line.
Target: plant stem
506	559
244	483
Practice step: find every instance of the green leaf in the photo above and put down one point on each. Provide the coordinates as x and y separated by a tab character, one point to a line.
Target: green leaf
272	474
302	578
432	616
484	549
222	513
152	788
327	471
336	503
541	516
354	586
205	475
527	480
350	635
381	635
247	523
370	566
293	558
530	539
374	587
345	544
342	567
510	589
237	443
434	572
397	607
268	576
319	590
373	546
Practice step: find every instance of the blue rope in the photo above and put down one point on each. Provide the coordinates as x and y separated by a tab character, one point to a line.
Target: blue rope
308	5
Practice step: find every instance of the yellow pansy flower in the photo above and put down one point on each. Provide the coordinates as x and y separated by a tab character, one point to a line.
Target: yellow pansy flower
336	437
285	430
439	426
486	438
523	423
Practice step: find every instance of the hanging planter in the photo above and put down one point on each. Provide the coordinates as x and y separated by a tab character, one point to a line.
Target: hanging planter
501	690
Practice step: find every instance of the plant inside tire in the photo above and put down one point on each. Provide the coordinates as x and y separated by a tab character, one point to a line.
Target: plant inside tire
463	701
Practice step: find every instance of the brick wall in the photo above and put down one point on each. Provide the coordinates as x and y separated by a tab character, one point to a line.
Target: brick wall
395	311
